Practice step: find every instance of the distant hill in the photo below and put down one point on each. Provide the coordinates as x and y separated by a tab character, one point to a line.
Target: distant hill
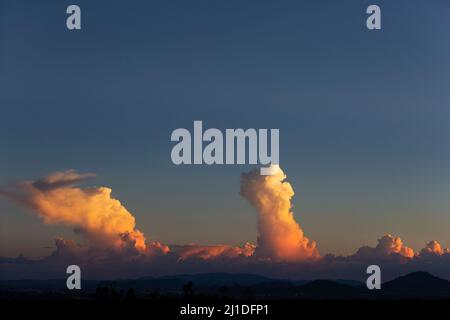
351	283
328	288
50	284
221	279
418	284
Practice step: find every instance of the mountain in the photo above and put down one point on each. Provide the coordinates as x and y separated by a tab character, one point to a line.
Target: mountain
220	279
50	284
419	284
415	285
328	289
351	283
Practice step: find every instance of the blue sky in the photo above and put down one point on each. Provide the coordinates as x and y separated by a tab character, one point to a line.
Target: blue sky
363	115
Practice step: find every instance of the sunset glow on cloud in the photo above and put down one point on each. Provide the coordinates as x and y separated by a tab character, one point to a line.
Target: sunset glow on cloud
211	252
433	248
92	212
280	237
113	239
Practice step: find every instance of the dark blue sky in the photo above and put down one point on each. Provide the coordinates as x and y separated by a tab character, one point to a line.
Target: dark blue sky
363	115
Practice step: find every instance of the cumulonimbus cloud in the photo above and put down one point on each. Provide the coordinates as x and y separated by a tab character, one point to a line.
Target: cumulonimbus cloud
92	212
280	237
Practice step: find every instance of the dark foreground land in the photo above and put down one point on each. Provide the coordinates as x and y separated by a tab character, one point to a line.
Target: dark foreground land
227	296
224	286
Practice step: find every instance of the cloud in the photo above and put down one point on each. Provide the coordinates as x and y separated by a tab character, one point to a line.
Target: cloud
117	249
91	212
211	252
433	248
388	247
109	263
20	259
61	179
280	238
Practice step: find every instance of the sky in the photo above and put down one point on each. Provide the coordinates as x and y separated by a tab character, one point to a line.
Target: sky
363	115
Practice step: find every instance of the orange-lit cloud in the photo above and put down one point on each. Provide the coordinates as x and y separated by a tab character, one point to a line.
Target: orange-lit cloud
387	246
92	212
211	252
433	248
116	245
280	238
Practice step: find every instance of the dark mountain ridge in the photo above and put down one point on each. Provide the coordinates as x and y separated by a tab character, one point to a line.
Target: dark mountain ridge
226	285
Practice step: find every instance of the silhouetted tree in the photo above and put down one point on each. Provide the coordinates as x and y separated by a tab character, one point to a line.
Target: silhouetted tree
130	296
108	293
187	289
101	293
114	294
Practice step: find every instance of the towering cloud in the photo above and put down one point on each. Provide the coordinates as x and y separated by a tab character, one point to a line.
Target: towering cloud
388	246
92	212
280	238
